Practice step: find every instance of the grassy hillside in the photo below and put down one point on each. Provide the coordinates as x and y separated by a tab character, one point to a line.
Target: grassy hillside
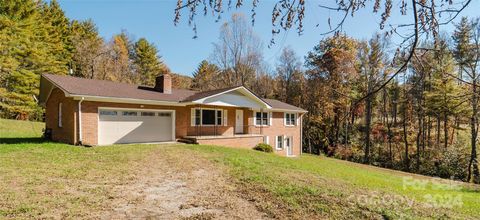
326	187
45	179
16	129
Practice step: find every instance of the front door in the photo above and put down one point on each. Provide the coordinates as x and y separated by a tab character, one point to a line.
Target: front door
238	121
288	145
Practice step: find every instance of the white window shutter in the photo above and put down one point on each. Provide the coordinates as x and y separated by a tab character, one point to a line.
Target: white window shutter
254	117
225	117
285	118
270	118
276	142
192	116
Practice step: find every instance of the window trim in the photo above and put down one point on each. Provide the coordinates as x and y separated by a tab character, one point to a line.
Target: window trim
269	119
276	142
60	115
286	122
217	110
130	113
148	114
107	110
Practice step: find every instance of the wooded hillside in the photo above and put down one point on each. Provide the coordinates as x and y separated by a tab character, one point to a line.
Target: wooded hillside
425	120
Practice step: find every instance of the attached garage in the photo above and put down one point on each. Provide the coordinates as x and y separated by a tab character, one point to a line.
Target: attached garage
120	126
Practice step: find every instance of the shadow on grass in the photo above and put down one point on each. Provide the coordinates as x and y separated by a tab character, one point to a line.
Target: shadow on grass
25	140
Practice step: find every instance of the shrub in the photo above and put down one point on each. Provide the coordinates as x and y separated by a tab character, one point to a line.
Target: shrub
264	148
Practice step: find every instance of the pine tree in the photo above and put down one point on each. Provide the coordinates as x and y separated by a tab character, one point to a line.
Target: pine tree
443	98
204	78
88	48
147	63
26	53
371	56
59	36
463	48
467	53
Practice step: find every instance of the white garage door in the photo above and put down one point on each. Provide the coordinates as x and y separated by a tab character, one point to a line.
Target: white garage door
117	126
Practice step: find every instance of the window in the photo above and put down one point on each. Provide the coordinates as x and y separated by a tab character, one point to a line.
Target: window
261	118
219	117
279	144
60	115
147	114
107	112
290	119
206	117
198	115
164	114
129	113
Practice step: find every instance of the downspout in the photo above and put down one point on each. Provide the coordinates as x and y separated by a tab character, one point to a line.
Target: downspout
301	134
80	121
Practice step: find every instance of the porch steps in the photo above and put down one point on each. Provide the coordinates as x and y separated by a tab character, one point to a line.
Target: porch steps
187	140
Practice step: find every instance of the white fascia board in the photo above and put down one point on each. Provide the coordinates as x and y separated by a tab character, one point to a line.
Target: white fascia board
283	110
215	104
53	86
125	100
249	94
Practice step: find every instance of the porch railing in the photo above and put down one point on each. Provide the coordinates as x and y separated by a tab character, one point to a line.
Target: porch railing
214	130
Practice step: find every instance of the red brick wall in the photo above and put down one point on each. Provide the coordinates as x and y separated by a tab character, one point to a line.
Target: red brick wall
182	122
90	118
277	128
227	130
66	133
240	142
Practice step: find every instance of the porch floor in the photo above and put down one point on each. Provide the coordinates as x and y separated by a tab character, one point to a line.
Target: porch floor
205	137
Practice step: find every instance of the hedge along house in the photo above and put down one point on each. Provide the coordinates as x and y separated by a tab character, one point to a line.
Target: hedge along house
97	112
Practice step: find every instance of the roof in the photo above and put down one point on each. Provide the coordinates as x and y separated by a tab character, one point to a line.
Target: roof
92	87
204	94
282	105
76	86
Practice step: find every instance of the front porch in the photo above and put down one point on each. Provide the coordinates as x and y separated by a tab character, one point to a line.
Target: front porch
235	140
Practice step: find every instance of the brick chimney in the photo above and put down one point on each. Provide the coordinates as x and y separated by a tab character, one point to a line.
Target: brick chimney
163	83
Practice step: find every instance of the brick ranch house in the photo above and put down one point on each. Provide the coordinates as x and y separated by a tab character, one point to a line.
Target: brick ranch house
97	112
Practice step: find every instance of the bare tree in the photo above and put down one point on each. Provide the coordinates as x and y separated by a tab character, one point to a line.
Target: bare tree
426	18
238	52
289	74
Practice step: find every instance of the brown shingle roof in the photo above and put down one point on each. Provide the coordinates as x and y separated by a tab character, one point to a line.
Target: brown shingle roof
282	105
103	88
91	87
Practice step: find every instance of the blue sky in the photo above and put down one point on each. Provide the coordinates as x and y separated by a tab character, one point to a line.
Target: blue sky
153	20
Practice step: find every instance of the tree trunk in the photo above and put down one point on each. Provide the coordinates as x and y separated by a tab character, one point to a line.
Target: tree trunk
419	137
473	163
394	112
368	118
429	132
438	132
445	130
405	140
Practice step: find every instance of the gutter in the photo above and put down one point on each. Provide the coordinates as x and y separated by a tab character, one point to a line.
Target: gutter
80	121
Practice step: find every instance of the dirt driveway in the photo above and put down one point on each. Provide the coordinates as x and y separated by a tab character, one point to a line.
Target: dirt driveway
173	186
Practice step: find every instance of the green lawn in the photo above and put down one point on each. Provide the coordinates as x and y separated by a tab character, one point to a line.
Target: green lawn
41	178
